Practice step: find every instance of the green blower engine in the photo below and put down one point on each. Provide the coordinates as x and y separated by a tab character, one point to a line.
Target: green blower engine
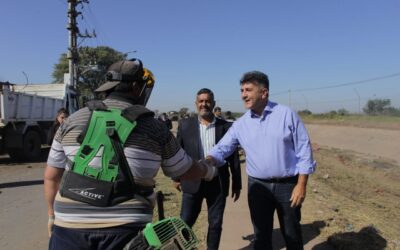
166	234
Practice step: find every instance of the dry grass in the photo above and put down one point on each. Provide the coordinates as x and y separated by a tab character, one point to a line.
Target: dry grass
353	201
362	121
356	198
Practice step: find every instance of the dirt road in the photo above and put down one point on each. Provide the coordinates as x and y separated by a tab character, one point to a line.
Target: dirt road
374	142
23	215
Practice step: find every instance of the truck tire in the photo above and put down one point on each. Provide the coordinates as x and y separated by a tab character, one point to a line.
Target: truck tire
15	154
32	146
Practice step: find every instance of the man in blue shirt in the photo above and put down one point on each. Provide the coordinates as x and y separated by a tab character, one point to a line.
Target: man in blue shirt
278	161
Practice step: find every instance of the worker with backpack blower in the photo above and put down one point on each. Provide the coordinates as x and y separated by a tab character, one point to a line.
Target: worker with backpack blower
99	179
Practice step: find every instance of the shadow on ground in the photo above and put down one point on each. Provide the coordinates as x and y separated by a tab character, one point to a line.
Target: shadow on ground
310	232
368	238
20	183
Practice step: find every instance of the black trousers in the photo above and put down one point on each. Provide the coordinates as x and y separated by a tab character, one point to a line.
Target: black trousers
264	197
216	200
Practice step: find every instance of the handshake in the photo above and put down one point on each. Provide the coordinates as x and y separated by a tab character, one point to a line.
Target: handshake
211	171
203	167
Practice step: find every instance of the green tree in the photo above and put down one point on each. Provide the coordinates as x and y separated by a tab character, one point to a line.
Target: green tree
305	112
377	106
183	111
342	112
89	79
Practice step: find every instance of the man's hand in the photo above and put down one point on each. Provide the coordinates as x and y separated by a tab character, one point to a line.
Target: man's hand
235	194
211	160
299	191
177	185
298	195
211	170
50	224
198	170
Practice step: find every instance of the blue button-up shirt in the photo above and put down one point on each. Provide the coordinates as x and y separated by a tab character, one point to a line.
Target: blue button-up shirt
276	143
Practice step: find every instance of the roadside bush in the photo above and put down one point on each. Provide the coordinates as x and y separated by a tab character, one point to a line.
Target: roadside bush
342	112
332	113
305	112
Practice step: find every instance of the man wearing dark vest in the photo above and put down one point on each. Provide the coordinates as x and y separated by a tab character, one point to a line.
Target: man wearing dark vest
74	224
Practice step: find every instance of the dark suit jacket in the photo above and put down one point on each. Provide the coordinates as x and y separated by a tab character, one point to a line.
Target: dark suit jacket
189	137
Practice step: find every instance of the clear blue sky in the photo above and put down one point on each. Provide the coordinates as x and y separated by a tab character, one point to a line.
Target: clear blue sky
194	44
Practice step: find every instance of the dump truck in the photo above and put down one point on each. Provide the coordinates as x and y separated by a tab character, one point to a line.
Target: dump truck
26	114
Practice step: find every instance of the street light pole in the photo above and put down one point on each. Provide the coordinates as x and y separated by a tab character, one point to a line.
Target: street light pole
26	77
359	101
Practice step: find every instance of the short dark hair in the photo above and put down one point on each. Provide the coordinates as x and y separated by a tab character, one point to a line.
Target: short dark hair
63	111
255	76
60	112
217	109
206	91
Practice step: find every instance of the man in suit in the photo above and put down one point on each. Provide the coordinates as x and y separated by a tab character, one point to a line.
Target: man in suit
218	112
197	135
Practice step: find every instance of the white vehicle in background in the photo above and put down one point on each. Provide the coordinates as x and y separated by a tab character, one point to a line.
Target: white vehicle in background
26	114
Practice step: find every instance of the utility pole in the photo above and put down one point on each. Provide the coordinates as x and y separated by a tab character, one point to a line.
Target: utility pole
73	30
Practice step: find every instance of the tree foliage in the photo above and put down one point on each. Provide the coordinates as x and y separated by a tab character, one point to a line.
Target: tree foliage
343	112
377	106
183	112
92	66
305	112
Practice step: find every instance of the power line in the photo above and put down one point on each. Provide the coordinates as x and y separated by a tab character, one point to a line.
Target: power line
350	83
96	25
336	100
337	85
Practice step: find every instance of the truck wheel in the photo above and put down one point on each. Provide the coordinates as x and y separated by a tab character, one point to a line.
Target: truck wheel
16	154
32	147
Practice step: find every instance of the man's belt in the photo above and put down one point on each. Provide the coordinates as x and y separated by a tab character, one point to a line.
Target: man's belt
290	179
